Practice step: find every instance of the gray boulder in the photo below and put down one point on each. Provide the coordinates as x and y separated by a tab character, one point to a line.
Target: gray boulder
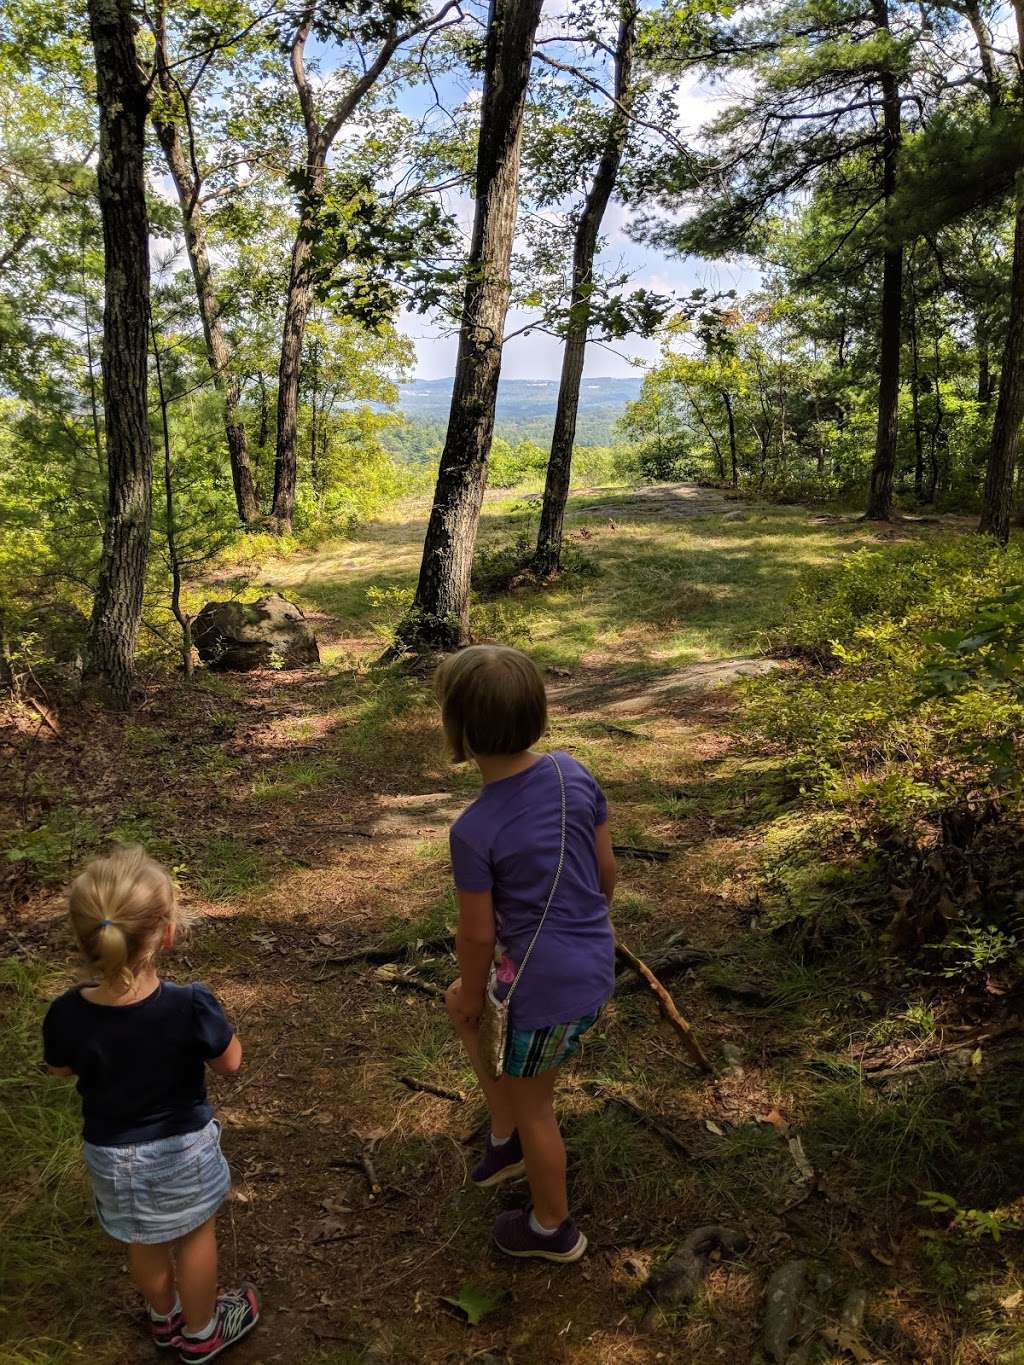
268	633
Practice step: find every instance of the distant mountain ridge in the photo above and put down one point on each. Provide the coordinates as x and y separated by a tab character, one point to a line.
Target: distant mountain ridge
526	411
523	400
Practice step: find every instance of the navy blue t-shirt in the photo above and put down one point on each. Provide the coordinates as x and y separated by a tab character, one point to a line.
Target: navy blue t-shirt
141	1068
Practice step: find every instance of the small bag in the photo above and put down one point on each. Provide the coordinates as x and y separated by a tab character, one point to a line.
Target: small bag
494	1019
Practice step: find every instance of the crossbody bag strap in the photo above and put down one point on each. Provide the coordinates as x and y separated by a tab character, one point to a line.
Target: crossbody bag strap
554	884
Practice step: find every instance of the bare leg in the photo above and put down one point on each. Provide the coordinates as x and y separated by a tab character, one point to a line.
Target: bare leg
533	1107
197	1275
152	1271
496	1092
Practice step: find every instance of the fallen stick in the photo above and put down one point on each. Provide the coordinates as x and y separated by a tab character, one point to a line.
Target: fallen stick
427	1089
39	711
647	855
682	959
380	952
667	1006
410	982
647	1120
370	1172
876	1068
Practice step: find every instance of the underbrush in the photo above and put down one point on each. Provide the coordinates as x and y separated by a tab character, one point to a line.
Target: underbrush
903	733
48	1248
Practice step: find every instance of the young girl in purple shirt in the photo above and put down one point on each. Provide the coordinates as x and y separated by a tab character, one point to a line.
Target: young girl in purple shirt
508	853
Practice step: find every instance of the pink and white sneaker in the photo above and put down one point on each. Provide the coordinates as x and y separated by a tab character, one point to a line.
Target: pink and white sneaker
238	1312
167	1331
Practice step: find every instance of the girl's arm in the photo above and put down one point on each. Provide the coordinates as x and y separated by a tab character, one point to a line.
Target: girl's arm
229	1060
474	944
607	871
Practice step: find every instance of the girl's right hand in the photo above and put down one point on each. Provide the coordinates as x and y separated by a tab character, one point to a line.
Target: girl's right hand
464	1009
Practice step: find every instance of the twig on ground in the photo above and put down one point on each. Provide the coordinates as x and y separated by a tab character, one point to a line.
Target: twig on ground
383	952
40	711
667	1006
647	1120
427	1089
875	1069
646	855
396	977
678	960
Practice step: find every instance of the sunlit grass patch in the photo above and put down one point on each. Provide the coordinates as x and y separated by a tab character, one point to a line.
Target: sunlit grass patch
224	867
289	781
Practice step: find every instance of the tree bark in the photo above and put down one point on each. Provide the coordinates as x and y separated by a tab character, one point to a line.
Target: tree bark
883	471
559	471
320	136
218	352
984	393
915	394
121	184
731	419
439	617
997	498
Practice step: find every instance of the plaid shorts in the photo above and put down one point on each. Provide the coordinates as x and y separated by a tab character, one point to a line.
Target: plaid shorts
528	1052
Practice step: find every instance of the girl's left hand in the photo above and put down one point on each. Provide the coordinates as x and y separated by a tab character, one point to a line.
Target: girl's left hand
464	1009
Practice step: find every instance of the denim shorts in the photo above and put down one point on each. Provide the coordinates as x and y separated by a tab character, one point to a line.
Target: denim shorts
528	1052
159	1191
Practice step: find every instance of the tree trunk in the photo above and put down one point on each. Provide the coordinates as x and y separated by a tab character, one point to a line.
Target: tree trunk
439	618
182	617
559	471
218	352
731	416
121	185
883	471
997	498
300	288
933	447
986	54
320	135
984	394
915	395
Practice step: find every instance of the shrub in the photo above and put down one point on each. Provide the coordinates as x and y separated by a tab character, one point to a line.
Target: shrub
903	732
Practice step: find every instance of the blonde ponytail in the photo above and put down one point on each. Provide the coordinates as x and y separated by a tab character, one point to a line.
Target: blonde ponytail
120	906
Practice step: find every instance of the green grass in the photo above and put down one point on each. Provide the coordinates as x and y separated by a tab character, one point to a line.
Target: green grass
224	867
53	1257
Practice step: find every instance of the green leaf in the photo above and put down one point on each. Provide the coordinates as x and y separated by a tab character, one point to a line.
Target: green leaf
476	1303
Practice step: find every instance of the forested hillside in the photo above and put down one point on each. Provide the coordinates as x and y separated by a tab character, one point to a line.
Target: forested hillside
773	580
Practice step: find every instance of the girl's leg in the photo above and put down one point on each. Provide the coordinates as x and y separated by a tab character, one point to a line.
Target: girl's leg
532	1101
152	1271
496	1092
197	1275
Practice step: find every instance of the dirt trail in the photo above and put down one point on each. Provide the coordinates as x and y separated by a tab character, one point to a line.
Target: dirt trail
313	809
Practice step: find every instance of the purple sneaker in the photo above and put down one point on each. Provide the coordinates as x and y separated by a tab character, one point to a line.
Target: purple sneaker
500	1163
515	1237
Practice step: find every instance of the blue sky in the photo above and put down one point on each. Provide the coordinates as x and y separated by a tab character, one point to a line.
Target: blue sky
538	356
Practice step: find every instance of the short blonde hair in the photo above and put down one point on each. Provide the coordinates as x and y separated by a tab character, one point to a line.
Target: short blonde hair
492	701
119	906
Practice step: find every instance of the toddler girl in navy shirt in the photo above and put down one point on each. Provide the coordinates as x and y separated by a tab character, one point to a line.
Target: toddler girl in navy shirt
536	835
139	1046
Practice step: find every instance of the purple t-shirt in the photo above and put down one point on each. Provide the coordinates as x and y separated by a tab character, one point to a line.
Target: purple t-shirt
507	842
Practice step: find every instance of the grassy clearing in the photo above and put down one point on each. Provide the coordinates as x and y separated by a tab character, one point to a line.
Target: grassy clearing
252	788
